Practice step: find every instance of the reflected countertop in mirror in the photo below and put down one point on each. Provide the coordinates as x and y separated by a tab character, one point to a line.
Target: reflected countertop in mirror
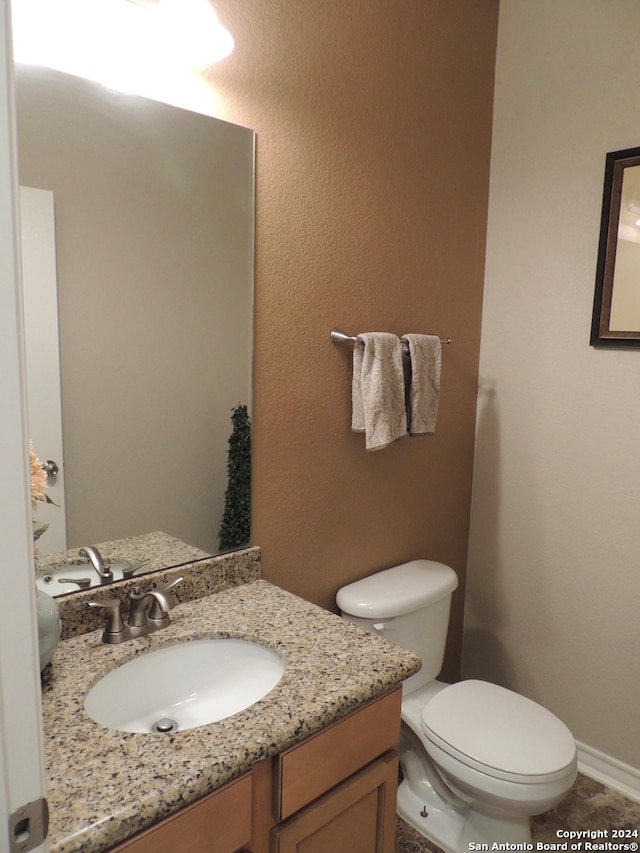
154	222
151	552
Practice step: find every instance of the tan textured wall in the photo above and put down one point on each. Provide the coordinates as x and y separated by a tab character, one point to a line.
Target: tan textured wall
373	122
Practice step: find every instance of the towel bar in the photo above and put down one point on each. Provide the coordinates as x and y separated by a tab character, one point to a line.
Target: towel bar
339	337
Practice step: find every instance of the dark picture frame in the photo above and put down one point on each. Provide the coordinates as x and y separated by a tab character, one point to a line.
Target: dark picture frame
614	322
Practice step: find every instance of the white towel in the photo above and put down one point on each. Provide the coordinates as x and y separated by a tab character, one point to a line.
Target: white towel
425	352
377	391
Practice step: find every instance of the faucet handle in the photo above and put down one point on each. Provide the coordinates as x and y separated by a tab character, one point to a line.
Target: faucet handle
114	621
83	583
173	583
127	574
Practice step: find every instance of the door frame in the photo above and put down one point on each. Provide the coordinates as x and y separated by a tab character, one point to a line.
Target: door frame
42	349
21	736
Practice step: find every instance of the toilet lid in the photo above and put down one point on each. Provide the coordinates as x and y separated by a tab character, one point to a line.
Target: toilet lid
498	732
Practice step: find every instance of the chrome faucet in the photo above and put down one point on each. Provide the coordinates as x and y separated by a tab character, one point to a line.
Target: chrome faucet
148	612
140	614
95	558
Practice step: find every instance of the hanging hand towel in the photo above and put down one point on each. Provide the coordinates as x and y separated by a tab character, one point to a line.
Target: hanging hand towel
377	391
426	358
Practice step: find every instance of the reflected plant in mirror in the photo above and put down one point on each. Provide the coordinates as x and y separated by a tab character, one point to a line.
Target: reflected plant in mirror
235	531
149	227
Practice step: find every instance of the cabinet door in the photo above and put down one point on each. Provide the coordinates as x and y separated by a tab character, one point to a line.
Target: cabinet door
218	823
357	816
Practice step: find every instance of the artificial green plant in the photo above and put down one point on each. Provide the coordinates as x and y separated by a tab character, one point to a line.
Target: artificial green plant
235	530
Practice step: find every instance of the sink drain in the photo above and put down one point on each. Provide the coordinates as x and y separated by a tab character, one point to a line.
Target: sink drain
165	726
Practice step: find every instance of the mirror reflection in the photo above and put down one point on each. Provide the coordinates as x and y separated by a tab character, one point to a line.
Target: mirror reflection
625	302
147	242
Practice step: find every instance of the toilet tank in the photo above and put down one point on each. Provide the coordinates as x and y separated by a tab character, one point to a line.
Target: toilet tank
408	605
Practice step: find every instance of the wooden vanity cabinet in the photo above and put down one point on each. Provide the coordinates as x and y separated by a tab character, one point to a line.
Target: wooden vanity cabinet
218	823
333	793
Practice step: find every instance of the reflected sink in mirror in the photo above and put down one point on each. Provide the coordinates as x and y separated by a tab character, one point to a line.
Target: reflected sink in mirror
70	577
185	685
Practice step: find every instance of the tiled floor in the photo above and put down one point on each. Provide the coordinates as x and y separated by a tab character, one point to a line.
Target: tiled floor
589	806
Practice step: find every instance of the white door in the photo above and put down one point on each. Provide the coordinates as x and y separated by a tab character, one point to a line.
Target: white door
40	292
21	762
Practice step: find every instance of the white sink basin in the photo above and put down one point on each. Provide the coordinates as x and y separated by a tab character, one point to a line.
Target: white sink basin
183	686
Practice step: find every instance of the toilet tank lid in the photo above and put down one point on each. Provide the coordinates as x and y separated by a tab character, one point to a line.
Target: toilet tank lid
397	591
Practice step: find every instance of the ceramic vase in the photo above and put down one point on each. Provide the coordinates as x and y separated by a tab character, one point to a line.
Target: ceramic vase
49	626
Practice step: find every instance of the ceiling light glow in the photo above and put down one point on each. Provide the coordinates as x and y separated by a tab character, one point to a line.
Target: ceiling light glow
118	42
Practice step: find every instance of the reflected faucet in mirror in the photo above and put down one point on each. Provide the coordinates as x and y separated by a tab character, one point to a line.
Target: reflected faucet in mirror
95	558
66	577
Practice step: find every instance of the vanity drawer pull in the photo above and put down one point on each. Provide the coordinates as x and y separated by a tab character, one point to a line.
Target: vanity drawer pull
308	770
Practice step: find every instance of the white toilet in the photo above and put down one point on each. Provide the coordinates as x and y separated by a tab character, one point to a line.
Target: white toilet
478	760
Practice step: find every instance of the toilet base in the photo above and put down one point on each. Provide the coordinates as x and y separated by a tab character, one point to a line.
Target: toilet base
455	828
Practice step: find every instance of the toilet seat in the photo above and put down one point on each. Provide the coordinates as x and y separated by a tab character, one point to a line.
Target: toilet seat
499	733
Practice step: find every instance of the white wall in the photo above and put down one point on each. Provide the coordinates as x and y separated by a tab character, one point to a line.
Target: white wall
553	601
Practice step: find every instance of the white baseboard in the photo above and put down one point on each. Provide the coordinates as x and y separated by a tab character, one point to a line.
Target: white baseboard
611	772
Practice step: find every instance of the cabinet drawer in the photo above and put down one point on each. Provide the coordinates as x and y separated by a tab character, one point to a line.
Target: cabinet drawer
357	815
308	770
218	823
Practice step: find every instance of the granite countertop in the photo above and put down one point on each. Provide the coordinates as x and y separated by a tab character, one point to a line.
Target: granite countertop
105	785
200	579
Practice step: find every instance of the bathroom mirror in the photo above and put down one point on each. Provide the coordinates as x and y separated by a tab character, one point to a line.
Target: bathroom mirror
616	310
153	209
